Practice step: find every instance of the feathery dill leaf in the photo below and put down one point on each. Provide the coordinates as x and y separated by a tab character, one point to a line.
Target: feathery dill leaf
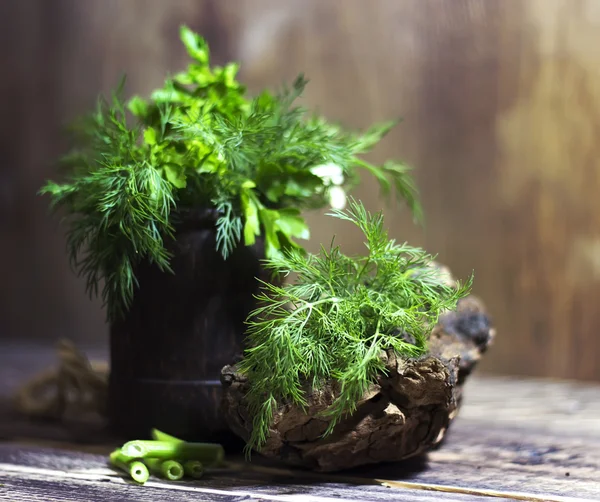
120	206
200	141
336	318
229	229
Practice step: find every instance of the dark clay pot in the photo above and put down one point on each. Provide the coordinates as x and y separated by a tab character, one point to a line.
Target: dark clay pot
167	353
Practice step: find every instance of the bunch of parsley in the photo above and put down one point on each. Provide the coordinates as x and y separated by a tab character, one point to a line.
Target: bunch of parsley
200	141
334	321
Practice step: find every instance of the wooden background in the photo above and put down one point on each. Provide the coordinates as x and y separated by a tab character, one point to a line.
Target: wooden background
501	107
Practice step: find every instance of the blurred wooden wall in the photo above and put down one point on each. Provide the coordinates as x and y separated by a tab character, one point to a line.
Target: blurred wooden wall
501	107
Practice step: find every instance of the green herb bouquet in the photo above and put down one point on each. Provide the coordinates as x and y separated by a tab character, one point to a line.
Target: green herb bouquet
359	359
334	323
201	142
201	148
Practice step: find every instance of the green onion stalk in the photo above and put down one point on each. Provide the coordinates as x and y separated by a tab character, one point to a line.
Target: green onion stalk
134	467
206	453
170	470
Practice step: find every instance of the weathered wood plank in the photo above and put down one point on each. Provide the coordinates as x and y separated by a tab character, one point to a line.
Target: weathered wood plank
513	438
552	407
511	460
54	472
504	460
27	489
530	474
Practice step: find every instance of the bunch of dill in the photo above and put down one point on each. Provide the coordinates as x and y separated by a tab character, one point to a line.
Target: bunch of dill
201	142
333	322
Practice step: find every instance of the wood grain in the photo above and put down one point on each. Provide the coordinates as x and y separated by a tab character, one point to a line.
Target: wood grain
514	439
53	472
501	108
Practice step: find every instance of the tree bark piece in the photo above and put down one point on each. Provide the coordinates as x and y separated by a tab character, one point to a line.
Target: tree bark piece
405	414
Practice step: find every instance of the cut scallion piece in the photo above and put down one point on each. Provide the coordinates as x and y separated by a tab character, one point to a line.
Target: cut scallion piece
193	469
167	469
207	453
135	468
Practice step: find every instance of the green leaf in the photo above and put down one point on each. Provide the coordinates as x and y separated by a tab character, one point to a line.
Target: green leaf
196	46
285	179
201	75
379	174
176	175
405	188
269	218
229	73
251	221
275	191
292	224
302	185
270	181
168	96
184	77
138	106
150	136
209	167
286	244
373	135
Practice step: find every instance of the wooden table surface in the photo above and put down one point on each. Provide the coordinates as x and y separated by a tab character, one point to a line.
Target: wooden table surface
514	439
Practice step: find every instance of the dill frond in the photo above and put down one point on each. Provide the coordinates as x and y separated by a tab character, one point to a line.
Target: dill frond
119	206
334	321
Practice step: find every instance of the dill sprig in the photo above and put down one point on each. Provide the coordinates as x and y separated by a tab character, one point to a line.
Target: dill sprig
333	322
201	142
120	207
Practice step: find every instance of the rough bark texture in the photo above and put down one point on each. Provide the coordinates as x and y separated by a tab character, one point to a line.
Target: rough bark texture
404	415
